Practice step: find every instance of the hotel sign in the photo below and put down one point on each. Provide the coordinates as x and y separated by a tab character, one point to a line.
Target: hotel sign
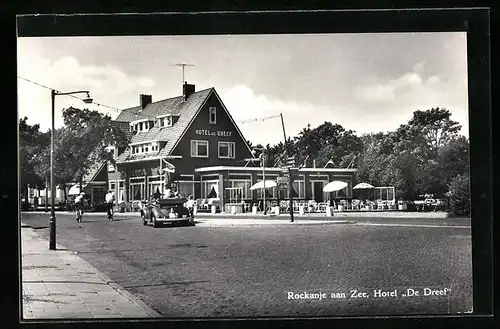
219	133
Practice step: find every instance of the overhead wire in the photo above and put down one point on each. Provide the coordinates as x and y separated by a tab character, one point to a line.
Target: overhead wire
73	96
119	110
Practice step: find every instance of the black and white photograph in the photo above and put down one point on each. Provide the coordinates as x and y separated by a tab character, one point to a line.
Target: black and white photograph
256	175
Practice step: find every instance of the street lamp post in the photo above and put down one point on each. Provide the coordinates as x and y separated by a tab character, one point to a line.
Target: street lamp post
52	221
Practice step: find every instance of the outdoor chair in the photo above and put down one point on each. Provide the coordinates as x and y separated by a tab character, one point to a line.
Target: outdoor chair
380	205
324	205
355	205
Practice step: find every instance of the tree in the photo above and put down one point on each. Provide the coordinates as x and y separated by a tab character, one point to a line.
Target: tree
80	144
436	126
326	142
460	195
32	143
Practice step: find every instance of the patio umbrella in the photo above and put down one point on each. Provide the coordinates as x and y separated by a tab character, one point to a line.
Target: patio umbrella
258	185
362	186
335	185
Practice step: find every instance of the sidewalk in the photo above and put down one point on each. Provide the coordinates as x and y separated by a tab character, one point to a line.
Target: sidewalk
59	284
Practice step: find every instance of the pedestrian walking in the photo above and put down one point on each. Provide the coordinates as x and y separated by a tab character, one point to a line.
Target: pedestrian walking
190	205
79	207
110	200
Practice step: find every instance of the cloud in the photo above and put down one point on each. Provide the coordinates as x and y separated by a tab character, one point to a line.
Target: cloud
376	106
394	100
107	85
247	109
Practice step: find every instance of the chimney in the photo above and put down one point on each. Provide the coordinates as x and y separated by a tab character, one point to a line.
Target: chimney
145	100
187	90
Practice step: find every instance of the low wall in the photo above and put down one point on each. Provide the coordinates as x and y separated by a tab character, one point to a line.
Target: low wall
336	215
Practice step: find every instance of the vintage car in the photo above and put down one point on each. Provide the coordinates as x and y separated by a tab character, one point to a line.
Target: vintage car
166	211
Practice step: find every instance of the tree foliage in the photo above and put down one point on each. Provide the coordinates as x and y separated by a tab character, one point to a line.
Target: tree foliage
460	195
32	143
79	145
422	156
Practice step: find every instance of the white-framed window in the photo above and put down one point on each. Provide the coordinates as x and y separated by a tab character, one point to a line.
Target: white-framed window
156	184
384	193
210	189
212	115
199	149
226	150
165	121
120	192
145	148
244	188
298	187
137	188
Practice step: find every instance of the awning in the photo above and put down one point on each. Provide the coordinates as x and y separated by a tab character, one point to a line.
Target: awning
75	189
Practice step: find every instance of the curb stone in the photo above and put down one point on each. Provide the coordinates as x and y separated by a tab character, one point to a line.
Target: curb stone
210	223
128	295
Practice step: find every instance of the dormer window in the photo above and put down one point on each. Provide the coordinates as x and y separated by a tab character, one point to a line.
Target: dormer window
148	147
212	115
165	121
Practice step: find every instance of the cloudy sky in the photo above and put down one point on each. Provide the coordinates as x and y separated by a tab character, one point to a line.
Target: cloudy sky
365	82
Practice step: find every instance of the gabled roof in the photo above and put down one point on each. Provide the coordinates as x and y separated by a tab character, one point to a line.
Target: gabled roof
174	106
94	171
185	109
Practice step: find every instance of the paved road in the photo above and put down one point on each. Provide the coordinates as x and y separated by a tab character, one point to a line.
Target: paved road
253	271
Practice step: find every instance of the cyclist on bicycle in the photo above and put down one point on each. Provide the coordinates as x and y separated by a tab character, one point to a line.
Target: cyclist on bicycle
79	207
110	199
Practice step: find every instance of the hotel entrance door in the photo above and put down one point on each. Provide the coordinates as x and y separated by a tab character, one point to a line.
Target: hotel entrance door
318	191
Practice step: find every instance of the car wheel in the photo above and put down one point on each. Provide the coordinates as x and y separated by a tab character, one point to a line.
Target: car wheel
155	223
143	217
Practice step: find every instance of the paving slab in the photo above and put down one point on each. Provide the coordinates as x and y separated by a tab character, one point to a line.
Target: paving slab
58	284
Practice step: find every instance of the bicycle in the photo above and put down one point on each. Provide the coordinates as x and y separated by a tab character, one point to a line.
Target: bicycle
79	213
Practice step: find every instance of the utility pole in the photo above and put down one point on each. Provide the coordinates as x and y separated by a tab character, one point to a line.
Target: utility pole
183	65
263	162
290	180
